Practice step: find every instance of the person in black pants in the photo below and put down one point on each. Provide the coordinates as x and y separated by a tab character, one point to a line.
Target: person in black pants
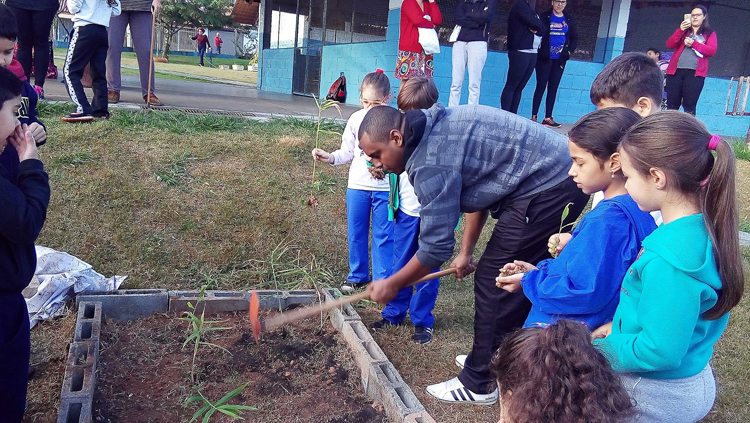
525	31
34	19
558	43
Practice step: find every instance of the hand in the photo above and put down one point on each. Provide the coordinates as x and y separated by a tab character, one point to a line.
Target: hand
156	7
689	42
533	31
510	283
428	17
557	242
465	265
23	140
322	156
381	291
602	331
37	130
685	25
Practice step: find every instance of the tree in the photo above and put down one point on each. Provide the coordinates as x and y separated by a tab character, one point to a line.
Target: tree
179	14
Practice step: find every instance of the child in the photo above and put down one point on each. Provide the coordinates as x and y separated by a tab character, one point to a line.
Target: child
415	93
22	212
89	45
203	43
29	98
365	195
675	299
583	282
554	374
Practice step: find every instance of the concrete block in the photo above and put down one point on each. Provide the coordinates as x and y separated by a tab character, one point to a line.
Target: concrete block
421	417
74	410
89	322
129	304
79	380
398	399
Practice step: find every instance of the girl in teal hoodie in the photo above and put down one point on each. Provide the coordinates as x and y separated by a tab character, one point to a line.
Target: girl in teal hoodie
675	299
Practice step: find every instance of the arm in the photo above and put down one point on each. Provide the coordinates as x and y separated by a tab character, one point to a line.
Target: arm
345	153
675	40
529	18
116	9
411	11
464	261
668	309
485	15
37	128
74	6
461	18
572	36
708	49
434	12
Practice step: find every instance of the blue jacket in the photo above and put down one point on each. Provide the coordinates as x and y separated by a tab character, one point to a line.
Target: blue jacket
583	282
658	331
26	115
475	17
571	39
521	20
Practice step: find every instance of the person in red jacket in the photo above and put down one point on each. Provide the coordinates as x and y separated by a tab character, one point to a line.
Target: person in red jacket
412	60
693	43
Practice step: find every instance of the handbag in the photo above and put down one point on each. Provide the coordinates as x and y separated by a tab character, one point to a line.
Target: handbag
429	40
454	35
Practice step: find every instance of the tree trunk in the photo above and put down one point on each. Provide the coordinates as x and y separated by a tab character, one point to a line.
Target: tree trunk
167	44
747	137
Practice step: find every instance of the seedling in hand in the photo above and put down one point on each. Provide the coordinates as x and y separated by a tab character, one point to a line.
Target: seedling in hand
566	211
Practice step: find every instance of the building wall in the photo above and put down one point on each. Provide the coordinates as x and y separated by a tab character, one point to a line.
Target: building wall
356	60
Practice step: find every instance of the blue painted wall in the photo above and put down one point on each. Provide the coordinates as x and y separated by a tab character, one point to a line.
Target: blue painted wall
356	60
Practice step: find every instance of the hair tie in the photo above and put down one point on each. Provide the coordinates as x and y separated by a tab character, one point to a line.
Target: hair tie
713	142
378	70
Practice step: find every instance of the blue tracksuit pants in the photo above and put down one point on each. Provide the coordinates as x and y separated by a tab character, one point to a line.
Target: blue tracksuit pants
15	348
361	207
419	304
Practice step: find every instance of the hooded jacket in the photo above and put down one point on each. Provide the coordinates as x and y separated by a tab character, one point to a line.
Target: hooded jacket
571	39
583	282
658	331
475	17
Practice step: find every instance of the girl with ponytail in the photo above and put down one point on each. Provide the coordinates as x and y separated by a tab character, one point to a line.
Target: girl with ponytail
675	299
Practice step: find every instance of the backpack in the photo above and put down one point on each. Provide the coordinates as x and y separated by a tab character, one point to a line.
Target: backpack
337	92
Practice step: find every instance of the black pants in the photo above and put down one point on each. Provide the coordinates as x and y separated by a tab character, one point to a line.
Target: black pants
15	350
549	72
88	45
201	52
520	68
33	33
521	233
684	88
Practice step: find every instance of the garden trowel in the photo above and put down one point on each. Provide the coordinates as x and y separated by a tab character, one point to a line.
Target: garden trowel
282	319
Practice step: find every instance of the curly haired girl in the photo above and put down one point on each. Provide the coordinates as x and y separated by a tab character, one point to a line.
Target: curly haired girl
554	374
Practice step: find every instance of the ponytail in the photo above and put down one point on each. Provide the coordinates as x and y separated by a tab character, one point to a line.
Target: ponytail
719	207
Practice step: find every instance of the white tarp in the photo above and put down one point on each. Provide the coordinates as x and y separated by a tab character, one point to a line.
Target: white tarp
61	277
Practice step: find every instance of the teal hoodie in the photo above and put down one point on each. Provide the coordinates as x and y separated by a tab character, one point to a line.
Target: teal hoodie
658	331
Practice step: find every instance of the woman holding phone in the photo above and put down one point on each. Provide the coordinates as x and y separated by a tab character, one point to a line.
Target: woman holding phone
693	43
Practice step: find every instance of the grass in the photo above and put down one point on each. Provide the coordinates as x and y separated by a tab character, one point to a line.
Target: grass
233	220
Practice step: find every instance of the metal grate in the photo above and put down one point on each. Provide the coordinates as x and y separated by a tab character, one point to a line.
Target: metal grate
192	111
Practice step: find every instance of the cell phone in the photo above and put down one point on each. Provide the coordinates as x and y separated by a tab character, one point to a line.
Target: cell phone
686	17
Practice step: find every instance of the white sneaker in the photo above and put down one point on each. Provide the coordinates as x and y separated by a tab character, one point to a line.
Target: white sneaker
455	392
461	360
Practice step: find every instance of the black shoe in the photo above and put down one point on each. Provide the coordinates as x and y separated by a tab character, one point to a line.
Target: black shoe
78	117
349	287
104	116
384	323
550	122
422	335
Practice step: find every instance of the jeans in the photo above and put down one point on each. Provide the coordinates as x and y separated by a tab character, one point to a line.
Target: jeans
520	68
684	88
419	304
470	54
548	75
140	30
361	207
201	53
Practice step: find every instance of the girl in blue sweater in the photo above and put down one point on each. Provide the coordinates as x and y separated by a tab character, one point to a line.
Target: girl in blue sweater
675	299
583	282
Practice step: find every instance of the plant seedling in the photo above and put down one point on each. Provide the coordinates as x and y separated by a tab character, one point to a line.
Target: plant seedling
209	408
199	327
312	200
565	213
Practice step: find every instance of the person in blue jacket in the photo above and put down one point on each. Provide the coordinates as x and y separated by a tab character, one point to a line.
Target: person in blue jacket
583	282
470	48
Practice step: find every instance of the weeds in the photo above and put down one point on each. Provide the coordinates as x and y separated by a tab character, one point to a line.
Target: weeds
74	160
741	150
210	408
175	174
284	270
199	327
180	122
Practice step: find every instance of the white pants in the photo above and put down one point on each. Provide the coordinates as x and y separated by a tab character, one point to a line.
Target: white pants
470	54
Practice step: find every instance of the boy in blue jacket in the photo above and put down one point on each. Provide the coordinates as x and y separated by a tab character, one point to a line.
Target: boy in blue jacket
23	209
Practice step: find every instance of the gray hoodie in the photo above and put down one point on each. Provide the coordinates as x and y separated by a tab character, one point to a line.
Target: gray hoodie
473	158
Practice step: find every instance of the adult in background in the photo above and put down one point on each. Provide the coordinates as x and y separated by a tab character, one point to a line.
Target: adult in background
470	49
558	43
693	43
525	31
139	15
203	43
412	60
34	19
218	42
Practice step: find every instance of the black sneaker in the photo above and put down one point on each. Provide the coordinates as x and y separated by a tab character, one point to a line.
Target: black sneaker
384	323
78	117
349	286
550	122
422	335
104	116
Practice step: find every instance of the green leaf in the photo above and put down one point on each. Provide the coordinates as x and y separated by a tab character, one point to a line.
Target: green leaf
208	415
201	411
231	394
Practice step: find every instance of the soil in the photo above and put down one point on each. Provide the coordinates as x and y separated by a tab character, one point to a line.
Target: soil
302	372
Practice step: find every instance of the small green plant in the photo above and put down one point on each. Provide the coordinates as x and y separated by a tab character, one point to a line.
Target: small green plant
175	174
199	327
74	160
312	201
565	213
209	408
